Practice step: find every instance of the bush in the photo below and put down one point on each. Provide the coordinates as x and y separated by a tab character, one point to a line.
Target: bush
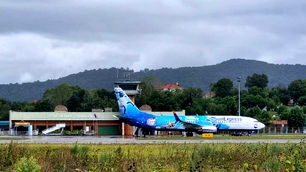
155	157
80	152
27	165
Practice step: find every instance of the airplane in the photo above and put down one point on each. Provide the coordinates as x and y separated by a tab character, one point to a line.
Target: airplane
190	124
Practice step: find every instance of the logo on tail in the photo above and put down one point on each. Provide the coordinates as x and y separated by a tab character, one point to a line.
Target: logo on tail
126	106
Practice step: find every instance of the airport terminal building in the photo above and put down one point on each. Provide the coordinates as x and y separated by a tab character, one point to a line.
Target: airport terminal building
90	123
95	123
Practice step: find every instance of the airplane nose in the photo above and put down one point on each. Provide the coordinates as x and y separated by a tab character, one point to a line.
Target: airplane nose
261	125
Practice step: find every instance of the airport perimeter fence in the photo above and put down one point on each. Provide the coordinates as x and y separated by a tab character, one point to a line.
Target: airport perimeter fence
283	130
266	130
13	133
5	133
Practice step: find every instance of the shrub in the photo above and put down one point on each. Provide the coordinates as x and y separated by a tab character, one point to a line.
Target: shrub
272	165
80	152
27	165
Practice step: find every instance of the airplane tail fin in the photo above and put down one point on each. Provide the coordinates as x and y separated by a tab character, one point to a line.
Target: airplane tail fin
177	119
126	105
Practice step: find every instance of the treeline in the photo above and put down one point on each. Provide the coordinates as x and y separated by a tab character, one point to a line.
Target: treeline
257	101
74	98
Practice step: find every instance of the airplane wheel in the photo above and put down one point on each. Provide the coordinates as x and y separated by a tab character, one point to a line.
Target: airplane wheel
136	134
189	134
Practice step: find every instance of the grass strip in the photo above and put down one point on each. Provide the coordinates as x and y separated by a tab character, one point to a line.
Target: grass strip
218	137
14	138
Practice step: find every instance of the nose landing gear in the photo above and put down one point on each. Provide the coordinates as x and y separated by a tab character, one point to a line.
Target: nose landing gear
245	133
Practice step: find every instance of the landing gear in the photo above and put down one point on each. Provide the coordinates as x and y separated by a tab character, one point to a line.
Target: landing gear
236	134
241	133
189	134
138	132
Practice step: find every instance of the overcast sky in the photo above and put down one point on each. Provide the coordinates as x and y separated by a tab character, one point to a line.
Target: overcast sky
42	39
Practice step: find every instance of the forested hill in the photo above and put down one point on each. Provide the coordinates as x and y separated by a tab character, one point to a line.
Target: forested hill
202	77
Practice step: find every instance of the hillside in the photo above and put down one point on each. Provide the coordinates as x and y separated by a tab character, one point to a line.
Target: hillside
279	75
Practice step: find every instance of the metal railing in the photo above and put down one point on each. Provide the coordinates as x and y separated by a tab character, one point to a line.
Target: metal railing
283	130
5	133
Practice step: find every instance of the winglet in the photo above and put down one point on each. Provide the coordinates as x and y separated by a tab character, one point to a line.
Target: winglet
116	116
176	117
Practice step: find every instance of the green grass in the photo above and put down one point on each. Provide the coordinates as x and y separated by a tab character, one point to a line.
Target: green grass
218	137
154	157
13	138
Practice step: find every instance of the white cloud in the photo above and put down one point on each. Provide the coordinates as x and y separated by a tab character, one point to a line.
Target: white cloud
26	77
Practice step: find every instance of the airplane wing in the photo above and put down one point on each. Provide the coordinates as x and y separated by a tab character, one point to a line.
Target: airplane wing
122	118
187	125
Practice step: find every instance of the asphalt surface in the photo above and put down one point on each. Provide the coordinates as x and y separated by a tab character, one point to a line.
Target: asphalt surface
131	140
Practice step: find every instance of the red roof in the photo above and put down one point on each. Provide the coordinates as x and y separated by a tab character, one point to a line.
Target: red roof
210	93
169	86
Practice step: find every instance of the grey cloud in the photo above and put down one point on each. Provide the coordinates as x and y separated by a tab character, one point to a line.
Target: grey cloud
68	36
31	57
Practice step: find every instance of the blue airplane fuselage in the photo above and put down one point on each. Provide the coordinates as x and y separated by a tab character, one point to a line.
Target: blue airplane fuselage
131	115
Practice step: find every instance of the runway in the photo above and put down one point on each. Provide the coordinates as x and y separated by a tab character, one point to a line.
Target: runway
131	140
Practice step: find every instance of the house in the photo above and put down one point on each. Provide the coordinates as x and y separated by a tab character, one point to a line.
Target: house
209	95
170	87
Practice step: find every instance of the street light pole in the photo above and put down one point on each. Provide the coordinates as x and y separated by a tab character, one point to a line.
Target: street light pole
239	80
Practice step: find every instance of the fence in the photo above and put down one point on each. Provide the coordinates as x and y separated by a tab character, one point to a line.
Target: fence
13	133
283	130
5	133
266	130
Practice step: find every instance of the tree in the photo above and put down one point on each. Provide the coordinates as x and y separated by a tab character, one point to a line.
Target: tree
28	107
95	99
296	117
252	112
230	102
60	94
252	101
297	89
257	80
147	85
74	103
302	101
17	106
223	87
279	94
217	109
284	114
91	100
43	106
199	106
188	95
147	88
263	92
4	109
264	117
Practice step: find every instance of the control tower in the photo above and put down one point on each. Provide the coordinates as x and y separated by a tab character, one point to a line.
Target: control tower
132	89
